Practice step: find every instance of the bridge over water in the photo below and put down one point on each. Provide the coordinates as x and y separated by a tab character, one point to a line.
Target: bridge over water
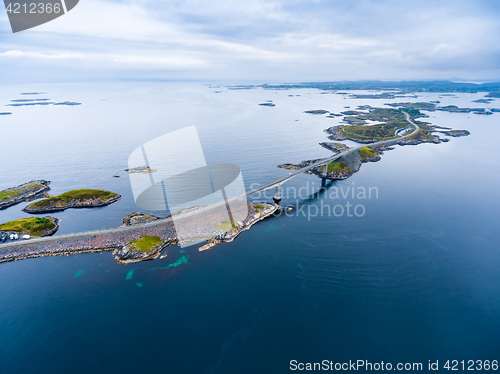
278	182
274	184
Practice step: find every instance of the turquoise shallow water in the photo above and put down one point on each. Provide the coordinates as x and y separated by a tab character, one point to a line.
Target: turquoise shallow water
414	279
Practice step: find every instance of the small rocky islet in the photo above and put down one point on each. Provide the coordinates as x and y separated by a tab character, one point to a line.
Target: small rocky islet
83	198
30	191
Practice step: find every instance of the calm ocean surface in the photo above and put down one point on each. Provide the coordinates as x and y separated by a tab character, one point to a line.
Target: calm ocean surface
416	278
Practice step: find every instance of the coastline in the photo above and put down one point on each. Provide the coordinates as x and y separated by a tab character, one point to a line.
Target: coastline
125	256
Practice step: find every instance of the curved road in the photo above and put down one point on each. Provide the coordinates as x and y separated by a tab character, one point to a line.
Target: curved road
278	182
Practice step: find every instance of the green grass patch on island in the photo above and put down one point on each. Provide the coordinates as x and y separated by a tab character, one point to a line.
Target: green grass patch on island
225	226
367	152
258	207
338	167
14	191
146	243
35	226
78	195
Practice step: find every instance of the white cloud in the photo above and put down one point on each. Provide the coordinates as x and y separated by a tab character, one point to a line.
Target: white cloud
110	60
167	62
282	39
36	55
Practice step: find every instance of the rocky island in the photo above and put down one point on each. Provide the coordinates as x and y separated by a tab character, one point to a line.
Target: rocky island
25	192
317	111
383	95
41	102
34	227
84	198
141	169
379	128
141	249
483	101
392	124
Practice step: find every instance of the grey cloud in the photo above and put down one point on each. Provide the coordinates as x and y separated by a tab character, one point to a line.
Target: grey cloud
281	40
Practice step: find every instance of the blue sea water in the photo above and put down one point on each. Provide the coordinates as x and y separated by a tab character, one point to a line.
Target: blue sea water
415	278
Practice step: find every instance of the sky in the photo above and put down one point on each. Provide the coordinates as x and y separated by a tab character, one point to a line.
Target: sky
259	41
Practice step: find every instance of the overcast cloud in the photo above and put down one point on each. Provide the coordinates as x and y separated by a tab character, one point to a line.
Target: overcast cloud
256	40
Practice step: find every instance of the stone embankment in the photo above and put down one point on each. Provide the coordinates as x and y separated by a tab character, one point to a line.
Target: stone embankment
119	240
103	241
